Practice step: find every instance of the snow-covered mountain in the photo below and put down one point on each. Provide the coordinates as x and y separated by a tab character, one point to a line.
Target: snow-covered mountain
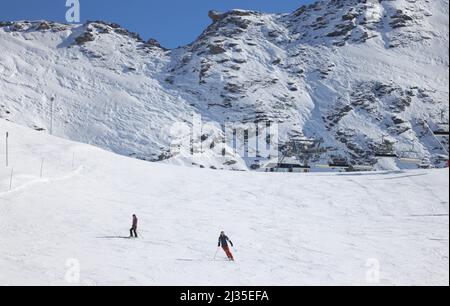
362	75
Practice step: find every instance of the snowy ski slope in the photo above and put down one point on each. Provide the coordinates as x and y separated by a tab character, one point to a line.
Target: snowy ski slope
325	229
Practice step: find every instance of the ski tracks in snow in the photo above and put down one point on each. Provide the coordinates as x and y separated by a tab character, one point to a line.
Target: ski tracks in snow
32	180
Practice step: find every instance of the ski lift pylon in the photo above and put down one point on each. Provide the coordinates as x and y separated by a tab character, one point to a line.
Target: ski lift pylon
411	155
386	149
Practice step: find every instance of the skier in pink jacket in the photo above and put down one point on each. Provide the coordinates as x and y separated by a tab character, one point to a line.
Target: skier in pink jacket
133	229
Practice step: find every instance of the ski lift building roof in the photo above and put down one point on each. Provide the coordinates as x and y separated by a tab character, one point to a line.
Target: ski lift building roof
288	162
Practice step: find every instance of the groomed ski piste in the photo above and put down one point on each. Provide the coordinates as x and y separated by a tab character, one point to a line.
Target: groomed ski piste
386	228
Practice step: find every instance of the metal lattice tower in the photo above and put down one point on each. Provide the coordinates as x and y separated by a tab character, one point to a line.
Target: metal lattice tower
304	150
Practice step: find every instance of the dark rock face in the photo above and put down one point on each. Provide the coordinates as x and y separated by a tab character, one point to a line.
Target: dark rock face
370	95
20	26
239	22
379	102
43	26
215	16
98	23
217	49
234	88
5	24
205	66
350	16
85	38
95	28
352	21
342	29
397	120
153	42
103	27
24	26
400	20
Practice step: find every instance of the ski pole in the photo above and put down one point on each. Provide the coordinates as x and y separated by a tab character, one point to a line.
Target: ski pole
217	251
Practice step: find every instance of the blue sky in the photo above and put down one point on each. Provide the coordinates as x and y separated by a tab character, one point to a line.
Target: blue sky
172	22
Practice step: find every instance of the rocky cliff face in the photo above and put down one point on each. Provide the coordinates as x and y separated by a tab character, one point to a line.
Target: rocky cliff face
358	74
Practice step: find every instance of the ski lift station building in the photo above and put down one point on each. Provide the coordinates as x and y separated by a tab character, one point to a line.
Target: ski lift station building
288	164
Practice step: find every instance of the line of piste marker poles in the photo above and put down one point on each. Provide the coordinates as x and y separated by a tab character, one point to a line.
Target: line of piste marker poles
12	169
7	161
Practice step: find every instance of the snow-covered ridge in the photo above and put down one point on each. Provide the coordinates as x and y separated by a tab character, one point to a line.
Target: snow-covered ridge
355	73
